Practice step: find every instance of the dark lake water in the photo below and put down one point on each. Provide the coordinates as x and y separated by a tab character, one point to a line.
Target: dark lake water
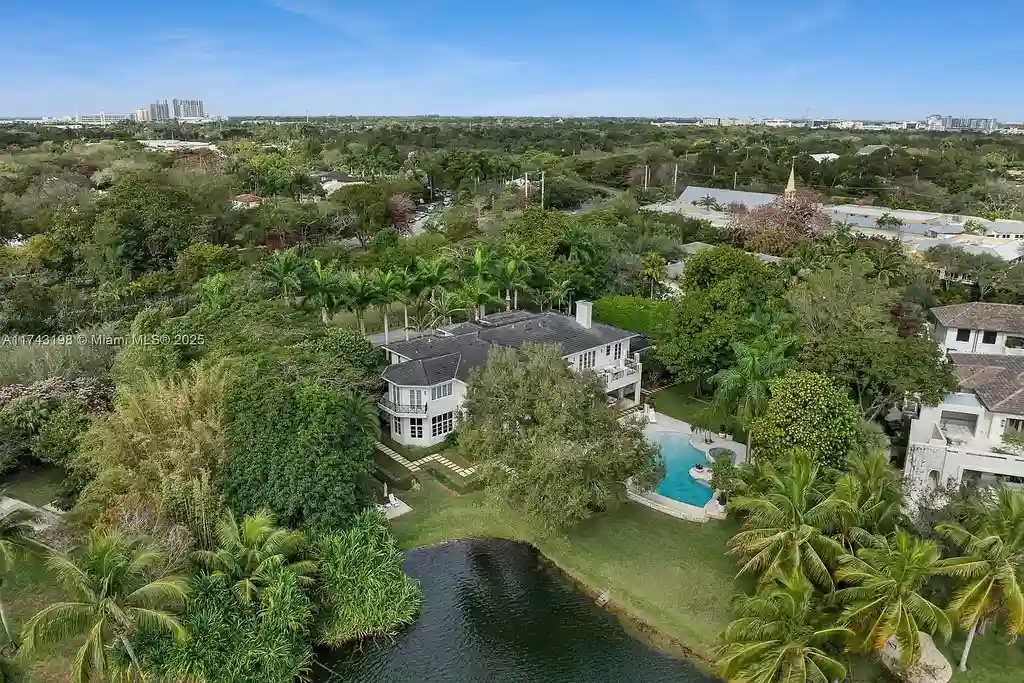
493	613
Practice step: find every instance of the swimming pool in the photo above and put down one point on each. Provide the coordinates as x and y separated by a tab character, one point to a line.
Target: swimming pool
679	457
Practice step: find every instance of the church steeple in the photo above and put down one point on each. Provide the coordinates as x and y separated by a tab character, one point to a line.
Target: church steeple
791	185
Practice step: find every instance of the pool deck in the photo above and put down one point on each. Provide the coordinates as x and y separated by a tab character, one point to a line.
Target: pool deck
664	424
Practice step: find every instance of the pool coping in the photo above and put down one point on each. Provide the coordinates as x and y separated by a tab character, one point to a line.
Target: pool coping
670	506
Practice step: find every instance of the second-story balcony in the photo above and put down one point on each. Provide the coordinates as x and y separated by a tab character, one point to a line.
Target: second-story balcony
402	408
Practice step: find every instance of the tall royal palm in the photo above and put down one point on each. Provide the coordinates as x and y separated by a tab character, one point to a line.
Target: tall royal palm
742	389
434	275
481	263
445	305
990	568
781	635
284	269
558	291
249	553
323	287
478	292
358	293
517	268
389	286
654	268
883	597
116	597
786	526
510	280
17	539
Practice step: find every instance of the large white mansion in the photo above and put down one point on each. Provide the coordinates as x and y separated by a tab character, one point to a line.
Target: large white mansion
426	377
964	437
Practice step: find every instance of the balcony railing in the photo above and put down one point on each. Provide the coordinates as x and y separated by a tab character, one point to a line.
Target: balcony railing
616	372
402	407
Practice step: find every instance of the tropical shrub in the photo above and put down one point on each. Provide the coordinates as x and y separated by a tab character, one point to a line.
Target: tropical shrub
362	589
807	411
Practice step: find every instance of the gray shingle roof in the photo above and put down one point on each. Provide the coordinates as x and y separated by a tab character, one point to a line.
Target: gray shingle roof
435	358
553	328
995	379
871	149
982	316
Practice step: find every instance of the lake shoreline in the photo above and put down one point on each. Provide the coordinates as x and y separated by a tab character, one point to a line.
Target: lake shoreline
636	624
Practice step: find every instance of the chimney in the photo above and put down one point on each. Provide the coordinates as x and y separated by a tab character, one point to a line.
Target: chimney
584	313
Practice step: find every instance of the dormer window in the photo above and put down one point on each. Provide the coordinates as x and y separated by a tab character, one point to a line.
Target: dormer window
988	337
963	335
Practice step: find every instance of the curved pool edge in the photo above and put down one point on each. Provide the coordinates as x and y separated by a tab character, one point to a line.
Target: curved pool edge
635	619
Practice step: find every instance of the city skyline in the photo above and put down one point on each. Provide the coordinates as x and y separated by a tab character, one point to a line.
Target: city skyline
823	59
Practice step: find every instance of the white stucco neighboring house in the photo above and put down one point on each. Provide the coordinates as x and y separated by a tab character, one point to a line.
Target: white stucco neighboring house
964	436
426	377
332	181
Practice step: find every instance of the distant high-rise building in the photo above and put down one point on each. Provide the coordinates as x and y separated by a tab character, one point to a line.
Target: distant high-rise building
962	123
142	115
101	119
188	109
159	111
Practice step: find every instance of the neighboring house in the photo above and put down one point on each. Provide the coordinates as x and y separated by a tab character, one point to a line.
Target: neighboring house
871	149
426	378
962	438
246	201
674	271
825	156
332	181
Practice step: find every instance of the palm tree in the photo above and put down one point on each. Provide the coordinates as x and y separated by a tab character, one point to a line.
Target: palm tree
578	246
785	530
510	279
389	286
518	262
16	540
117	597
284	269
742	389
874	493
888	263
250	553
884	597
481	263
478	292
361	412
990	567
780	636
433	276
445	305
558	291
324	287
654	268
358	293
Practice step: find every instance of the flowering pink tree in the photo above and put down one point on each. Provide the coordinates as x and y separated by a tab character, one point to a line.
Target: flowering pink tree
778	227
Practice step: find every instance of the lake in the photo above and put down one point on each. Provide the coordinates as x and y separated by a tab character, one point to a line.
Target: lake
493	612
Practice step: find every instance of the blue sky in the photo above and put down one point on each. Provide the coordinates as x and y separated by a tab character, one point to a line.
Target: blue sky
825	58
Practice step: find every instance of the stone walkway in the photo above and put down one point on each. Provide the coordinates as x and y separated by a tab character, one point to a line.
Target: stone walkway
415	466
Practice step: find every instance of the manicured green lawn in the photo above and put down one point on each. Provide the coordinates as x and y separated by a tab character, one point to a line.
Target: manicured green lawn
37	486
672	574
991	659
681	402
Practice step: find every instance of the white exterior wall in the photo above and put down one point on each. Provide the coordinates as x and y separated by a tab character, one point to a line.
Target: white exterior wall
945	337
621	375
432	408
941	457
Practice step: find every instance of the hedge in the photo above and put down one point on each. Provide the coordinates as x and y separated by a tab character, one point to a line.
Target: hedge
633	313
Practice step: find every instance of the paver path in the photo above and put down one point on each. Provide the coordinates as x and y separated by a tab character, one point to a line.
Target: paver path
415	466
